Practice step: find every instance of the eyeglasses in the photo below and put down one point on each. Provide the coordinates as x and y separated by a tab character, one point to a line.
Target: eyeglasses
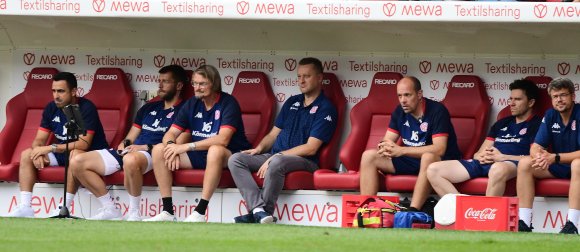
200	84
563	96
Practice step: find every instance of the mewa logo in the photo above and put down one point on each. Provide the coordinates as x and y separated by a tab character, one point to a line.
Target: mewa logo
309	212
47	59
452	67
243	7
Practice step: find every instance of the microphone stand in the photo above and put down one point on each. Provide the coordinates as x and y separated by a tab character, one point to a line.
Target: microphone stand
71	129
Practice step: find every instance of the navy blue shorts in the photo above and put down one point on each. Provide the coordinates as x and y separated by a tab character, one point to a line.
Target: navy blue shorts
60	158
406	165
116	156
478	170
198	159
562	171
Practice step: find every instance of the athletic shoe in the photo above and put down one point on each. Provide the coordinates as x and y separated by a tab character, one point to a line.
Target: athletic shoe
246	218
22	211
263	218
195	217
133	216
523	227
163	216
569	228
108	213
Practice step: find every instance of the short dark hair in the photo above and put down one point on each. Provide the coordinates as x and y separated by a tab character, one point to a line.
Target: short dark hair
212	74
312	61
561	83
416	83
529	87
177	72
71	80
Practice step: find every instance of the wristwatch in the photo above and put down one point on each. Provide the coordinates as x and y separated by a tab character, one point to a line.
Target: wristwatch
192	146
170	142
557	158
53	148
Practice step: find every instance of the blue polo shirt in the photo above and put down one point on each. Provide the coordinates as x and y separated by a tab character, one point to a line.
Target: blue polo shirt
562	138
298	123
435	122
513	138
54	120
203	124
154	120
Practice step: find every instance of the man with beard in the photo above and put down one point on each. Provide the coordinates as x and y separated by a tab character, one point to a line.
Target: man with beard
134	153
39	156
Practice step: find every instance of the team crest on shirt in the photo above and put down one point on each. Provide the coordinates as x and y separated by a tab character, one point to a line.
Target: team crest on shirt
523	131
424	126
170	114
217	115
313	109
574	125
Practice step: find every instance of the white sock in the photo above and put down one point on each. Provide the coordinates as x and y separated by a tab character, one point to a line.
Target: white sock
25	198
526	215
69	199
258	209
134	203
573	215
106	200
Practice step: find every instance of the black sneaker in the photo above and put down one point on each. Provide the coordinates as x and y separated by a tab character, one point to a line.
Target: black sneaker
523	227
246	218
569	228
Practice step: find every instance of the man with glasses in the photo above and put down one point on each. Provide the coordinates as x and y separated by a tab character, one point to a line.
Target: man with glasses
558	130
133	155
214	120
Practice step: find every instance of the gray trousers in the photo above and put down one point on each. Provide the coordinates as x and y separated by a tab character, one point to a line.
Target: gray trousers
243	165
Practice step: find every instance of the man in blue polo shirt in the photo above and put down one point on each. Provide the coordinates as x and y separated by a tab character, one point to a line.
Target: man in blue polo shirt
133	155
64	92
305	123
214	120
428	136
508	141
559	131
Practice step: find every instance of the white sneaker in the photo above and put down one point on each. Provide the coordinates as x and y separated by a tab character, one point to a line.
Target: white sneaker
163	216
195	217
108	213
134	216
22	212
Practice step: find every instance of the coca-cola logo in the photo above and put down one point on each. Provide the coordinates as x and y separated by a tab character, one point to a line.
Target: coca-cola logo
425	66
540	10
243	7
80	91
281	97
159	61
29	58
25	75
564	68
99	5
229	80
480	215
290	64
389	9
434	84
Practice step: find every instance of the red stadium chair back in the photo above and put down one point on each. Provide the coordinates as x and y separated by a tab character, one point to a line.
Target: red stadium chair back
332	90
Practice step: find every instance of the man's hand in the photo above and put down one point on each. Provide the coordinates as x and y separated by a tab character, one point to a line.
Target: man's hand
171	155
264	167
252	151
542	160
493	155
38	155
133	148
392	149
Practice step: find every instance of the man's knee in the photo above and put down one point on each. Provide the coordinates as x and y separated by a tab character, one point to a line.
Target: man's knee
235	161
575	167
499	172
131	163
277	166
157	151
25	155
368	157
525	165
434	170
217	151
77	164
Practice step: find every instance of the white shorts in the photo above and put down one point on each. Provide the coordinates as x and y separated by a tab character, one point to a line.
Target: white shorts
52	159
112	165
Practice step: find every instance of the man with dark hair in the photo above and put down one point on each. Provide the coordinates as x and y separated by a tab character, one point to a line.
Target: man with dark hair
559	131
427	134
214	120
306	122
133	155
508	141
40	156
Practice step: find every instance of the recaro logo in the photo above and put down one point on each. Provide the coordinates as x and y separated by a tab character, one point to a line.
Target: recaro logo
41	77
425	66
243	7
159	61
542	85
540	10
290	64
99	5
564	68
106	77
389	9
281	97
249	80
29	58
434	84
462	84
229	80
325	82
385	82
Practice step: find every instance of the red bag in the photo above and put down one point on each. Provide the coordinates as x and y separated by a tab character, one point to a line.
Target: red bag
376	213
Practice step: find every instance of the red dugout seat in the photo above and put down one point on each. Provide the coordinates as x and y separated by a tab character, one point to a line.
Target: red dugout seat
113	97
23	115
468	105
369	120
253	92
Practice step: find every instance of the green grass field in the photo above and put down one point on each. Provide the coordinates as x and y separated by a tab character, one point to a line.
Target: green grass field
114	236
